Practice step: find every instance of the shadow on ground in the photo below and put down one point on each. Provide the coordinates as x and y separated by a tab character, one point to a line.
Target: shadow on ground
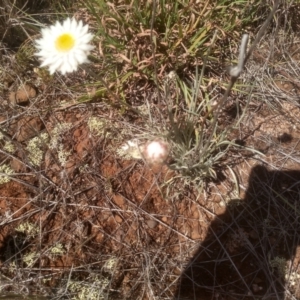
245	253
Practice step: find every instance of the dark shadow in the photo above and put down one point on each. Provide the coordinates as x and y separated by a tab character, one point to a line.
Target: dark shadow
14	14
245	251
285	138
13	247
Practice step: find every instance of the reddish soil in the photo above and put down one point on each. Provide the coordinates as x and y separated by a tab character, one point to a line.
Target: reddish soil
100	206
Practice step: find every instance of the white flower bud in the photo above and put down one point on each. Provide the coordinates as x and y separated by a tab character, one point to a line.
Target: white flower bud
155	152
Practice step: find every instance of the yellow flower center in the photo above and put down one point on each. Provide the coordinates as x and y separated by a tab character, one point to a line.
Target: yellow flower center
64	42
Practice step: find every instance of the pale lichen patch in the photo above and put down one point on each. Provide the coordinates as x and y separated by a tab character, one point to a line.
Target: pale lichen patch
6	171
34	148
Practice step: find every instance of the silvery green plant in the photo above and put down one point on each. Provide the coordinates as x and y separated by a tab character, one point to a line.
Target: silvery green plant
198	145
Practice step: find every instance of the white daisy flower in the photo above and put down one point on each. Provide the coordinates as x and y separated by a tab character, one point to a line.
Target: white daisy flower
63	47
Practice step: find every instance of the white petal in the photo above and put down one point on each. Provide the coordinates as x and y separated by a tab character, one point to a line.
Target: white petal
56	66
67	24
85	29
86	38
73	25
